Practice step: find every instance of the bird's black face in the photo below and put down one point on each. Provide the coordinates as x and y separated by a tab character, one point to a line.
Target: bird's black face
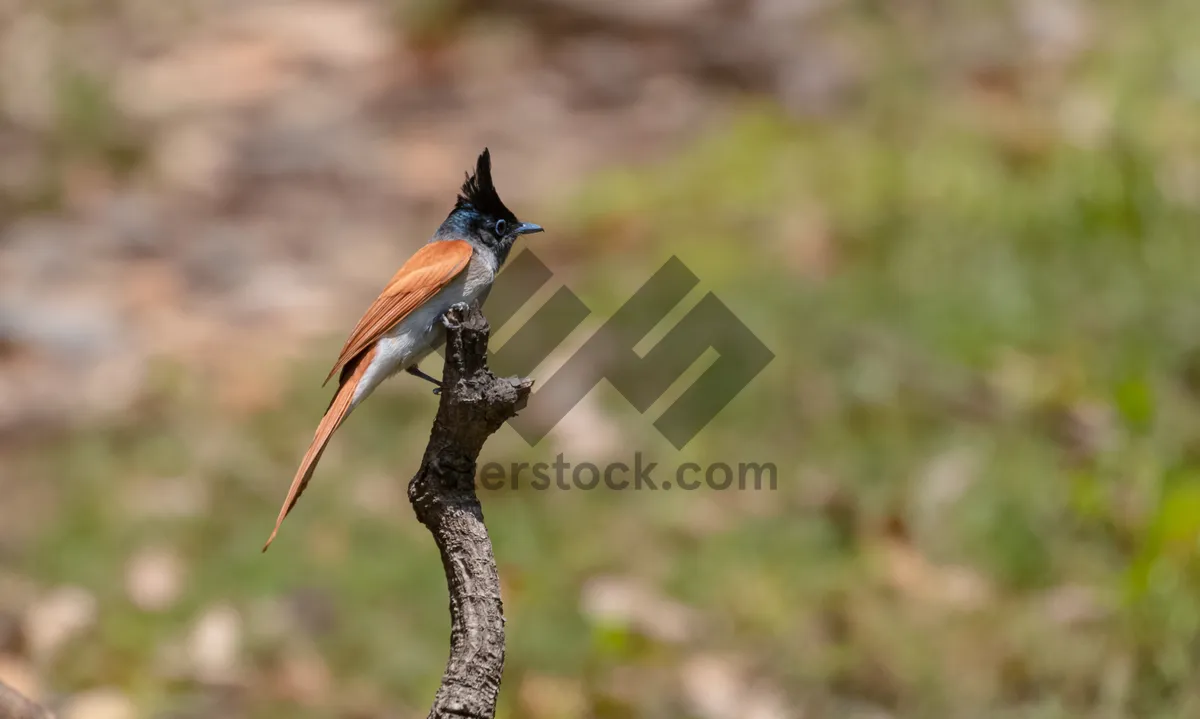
480	217
497	234
501	231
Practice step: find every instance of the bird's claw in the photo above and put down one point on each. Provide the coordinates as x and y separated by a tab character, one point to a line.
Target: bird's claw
456	315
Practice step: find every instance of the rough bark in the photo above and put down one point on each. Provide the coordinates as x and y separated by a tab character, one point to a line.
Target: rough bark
474	404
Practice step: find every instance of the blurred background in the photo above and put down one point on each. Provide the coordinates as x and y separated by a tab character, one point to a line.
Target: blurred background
968	230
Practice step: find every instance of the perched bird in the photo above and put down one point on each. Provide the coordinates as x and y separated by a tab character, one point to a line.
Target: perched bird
403	325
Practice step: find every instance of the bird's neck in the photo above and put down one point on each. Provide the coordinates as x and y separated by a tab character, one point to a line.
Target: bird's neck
459	226
502	249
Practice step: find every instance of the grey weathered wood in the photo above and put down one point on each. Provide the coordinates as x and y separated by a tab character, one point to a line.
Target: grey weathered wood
474	404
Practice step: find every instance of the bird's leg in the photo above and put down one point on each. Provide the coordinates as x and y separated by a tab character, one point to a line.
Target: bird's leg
415	371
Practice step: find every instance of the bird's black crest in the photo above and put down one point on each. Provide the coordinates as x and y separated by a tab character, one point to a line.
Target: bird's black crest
479	193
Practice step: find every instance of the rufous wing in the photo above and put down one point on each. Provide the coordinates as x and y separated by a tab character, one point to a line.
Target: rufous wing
424	275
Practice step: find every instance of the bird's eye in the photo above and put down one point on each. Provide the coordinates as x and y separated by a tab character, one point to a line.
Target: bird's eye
501	226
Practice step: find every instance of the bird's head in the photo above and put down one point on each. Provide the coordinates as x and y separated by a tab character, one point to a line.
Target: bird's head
480	217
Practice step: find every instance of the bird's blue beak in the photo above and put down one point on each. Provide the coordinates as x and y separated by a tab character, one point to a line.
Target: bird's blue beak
528	228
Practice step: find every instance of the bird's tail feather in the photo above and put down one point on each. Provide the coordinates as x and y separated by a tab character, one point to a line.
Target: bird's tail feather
338	410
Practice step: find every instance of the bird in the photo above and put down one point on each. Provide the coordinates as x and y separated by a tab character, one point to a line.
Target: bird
403	325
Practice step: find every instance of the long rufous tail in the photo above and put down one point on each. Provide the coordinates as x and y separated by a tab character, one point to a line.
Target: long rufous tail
338	410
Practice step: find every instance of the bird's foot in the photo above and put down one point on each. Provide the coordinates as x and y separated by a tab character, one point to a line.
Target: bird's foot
456	315
415	371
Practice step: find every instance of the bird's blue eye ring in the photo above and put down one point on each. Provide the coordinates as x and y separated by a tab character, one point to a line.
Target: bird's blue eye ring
501	226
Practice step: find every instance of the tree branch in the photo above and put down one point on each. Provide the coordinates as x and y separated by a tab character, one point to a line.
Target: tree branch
474	404
13	705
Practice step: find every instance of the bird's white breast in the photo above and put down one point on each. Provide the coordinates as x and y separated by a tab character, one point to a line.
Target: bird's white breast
412	339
